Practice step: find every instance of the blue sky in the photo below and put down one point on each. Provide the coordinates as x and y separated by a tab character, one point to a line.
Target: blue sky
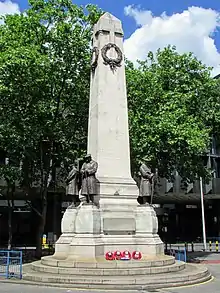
191	25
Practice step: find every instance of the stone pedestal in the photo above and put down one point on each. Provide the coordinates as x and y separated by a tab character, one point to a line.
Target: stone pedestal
89	232
81	234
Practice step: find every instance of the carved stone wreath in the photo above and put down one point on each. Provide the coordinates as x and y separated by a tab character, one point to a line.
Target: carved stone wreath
112	62
94	63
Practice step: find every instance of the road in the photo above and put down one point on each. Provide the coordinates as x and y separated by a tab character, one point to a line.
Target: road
209	287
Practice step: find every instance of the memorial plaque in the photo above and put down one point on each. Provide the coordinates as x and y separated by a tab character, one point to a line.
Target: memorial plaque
119	226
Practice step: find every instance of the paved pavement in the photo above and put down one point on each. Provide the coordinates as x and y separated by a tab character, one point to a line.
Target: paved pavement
205	257
15	288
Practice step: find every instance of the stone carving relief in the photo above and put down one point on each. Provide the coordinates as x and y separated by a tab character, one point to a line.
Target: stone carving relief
112	62
95	56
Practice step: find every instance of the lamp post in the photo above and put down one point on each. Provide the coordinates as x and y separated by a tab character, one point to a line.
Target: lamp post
203	214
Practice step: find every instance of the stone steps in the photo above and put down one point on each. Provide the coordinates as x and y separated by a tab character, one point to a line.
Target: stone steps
192	274
129	271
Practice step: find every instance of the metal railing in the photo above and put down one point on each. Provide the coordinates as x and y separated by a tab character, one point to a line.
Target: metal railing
188	246
179	254
11	264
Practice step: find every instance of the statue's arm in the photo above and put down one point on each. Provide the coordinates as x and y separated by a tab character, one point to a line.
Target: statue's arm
71	175
146	173
94	169
83	168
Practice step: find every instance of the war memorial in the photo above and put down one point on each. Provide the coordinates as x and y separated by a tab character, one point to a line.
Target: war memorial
111	219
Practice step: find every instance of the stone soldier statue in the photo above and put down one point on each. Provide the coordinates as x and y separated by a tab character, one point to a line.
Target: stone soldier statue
72	184
146	183
89	182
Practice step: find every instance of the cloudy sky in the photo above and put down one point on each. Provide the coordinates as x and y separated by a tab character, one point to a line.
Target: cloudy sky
190	25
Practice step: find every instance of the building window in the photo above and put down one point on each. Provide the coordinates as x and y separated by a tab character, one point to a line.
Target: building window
217	167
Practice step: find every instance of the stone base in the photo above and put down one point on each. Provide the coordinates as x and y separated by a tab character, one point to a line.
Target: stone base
89	232
152	273
80	234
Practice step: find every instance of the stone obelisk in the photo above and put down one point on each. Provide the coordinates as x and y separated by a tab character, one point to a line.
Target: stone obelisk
117	222
124	224
108	135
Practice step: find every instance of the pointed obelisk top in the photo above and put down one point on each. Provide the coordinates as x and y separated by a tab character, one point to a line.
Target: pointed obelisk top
109	23
108	16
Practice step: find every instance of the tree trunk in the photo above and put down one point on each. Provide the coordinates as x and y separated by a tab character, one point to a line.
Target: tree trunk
10	211
40	232
45	169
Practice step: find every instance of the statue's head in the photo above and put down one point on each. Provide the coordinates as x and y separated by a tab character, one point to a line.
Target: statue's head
88	158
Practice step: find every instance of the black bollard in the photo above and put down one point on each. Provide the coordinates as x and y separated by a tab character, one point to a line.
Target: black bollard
186	246
192	246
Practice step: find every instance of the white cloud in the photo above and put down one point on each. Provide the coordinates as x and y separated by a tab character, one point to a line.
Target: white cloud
8	7
190	31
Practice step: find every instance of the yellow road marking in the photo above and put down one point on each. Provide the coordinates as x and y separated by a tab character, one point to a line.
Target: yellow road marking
96	290
190	286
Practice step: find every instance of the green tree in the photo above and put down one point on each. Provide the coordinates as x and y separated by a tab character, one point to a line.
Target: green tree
212	110
169	95
44	90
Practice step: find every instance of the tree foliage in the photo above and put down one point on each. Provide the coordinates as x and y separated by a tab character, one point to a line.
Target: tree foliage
172	107
44	88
